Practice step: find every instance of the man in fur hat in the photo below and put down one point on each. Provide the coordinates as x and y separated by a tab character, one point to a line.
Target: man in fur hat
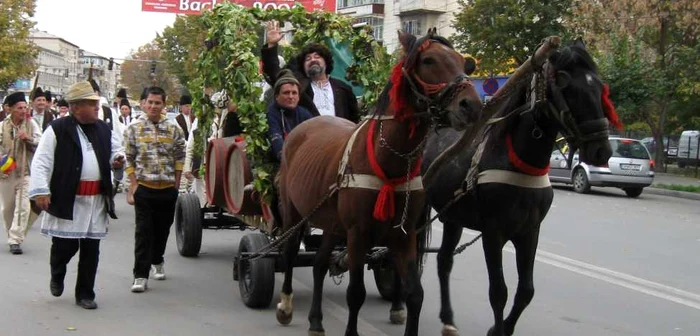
185	118
40	112
19	137
62	108
319	92
50	103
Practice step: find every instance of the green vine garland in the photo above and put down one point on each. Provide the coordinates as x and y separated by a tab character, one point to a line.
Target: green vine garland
230	62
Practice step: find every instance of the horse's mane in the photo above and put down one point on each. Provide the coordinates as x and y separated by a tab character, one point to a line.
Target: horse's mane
573	57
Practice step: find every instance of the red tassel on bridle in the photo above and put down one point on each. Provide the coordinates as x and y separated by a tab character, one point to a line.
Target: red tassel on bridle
609	109
397	99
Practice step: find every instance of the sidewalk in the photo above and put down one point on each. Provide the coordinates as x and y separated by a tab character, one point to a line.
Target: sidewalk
663	178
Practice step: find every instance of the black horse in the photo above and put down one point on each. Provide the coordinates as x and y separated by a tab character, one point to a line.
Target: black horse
511	193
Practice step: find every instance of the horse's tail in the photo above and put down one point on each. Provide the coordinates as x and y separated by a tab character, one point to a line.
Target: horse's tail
424	236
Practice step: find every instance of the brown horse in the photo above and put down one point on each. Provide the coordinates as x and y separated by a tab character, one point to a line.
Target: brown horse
376	194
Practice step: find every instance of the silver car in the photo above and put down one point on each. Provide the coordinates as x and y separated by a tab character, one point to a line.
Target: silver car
630	168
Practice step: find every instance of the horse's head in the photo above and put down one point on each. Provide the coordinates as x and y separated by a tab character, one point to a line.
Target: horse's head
579	102
432	80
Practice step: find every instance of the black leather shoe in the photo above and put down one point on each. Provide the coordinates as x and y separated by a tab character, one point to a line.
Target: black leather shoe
56	288
15	249
86	304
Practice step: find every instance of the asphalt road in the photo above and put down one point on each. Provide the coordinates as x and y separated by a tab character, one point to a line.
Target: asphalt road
607	265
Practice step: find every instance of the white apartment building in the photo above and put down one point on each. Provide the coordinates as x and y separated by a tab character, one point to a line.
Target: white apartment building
367	11
388	16
58	62
52	71
416	17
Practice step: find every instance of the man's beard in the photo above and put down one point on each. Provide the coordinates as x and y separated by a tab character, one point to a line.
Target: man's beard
315	70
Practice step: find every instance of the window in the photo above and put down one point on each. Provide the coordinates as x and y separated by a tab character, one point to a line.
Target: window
353	3
377	26
412	26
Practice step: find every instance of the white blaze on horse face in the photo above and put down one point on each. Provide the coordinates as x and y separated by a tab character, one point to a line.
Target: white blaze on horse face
589	79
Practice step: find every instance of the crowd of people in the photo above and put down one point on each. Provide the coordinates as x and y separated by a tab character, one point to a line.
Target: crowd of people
72	199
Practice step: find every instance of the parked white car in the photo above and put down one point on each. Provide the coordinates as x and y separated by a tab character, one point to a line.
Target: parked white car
630	168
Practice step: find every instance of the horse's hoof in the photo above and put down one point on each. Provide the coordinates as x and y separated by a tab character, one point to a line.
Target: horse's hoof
494	333
284	318
449	330
317	333
397	316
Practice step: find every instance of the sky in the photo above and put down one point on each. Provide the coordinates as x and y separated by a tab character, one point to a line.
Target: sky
110	28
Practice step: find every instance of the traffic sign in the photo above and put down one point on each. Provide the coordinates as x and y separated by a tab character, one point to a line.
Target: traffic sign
490	86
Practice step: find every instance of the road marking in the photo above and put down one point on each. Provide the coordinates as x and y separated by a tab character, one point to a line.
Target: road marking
341	314
644	286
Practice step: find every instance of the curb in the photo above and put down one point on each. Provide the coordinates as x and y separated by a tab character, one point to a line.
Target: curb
673	193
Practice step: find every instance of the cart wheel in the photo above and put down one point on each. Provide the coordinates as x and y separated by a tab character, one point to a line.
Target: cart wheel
188	225
384	279
256	277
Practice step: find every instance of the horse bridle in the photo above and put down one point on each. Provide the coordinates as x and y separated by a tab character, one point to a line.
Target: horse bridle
575	133
437	96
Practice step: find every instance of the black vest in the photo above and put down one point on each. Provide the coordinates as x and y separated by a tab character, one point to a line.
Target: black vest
68	164
107	115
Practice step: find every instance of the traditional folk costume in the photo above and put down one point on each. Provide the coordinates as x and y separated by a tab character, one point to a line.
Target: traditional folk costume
80	188
14	196
42	118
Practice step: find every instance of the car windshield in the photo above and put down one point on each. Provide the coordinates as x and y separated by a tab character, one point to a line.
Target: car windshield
626	148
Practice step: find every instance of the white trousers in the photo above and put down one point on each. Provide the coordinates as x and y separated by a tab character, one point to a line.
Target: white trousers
14	207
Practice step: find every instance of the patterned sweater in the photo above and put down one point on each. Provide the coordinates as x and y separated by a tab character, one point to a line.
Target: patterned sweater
154	152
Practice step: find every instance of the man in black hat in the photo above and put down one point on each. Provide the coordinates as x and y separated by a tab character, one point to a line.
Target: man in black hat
62	108
49	103
40	112
19	137
185	118
319	92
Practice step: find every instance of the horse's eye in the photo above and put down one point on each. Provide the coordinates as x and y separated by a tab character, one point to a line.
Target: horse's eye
428	61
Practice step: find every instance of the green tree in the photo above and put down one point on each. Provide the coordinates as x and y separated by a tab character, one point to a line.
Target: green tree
136	73
499	31
181	44
665	33
17	52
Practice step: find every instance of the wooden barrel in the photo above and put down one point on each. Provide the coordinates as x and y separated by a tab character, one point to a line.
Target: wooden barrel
215	170
238	187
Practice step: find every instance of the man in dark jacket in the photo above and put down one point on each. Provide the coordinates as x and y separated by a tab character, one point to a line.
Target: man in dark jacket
185	118
318	91
285	113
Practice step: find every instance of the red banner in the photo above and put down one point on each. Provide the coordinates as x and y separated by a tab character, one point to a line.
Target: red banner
197	6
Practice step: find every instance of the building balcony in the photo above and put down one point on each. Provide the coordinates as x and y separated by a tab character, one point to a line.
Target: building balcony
414	7
362	10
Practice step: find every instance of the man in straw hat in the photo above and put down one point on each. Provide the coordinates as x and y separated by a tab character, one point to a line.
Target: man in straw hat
19	137
75	192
